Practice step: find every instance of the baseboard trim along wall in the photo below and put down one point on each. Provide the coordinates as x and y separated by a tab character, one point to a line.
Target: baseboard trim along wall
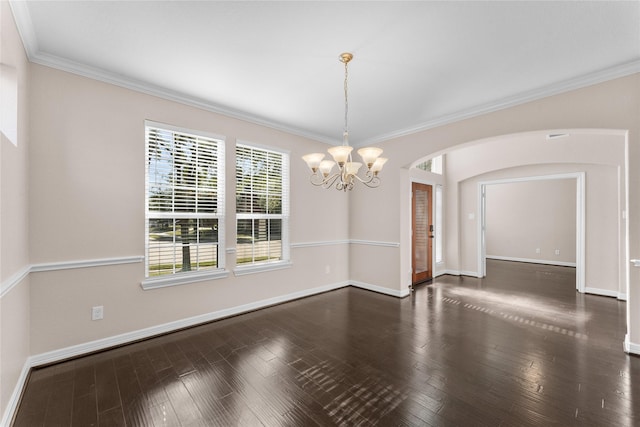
14	400
606	293
532	260
129	337
398	293
629	347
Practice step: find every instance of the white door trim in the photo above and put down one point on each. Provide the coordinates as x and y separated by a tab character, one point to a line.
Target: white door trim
580	221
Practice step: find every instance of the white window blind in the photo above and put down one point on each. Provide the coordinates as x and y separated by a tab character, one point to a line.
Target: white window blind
184	201
262	205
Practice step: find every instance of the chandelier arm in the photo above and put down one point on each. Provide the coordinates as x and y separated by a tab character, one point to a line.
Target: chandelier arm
368	178
330	180
346	177
372	183
313	178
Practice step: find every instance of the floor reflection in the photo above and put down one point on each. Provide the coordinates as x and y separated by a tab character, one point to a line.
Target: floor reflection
518	348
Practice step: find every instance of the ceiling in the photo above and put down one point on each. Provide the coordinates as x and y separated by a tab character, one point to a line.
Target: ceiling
416	64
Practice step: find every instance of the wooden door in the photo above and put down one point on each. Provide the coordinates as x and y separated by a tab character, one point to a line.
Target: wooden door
422	232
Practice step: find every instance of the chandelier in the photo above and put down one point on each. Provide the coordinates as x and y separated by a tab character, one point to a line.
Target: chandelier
347	174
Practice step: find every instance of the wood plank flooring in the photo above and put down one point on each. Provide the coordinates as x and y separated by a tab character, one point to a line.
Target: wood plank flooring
518	348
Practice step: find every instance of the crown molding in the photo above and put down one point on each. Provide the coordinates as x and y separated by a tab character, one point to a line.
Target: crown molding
29	39
25	26
83	70
601	76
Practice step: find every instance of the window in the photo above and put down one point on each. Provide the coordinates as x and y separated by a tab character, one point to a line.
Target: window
184	203
433	165
439	224
262	205
9	103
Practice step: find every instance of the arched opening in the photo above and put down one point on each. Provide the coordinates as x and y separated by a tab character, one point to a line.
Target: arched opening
535	154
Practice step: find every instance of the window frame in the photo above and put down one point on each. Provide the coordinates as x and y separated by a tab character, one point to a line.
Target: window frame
432	165
285	261
180	278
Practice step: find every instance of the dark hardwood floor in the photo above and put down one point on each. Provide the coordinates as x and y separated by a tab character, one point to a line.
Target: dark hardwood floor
518	348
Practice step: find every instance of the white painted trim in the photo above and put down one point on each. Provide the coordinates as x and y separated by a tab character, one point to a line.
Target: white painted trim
532	260
622	296
13	281
260	268
25	28
629	347
635	262
52	266
182	279
27	33
14	399
374	243
452	272
602	292
580	220
381	289
104	343
612	73
320	243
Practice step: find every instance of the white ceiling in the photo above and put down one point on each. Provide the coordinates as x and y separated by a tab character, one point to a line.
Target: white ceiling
416	64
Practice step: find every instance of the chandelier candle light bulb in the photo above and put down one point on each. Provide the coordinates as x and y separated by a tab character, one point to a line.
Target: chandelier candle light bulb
347	174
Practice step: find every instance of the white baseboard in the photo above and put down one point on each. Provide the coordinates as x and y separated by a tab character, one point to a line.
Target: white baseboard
631	348
605	293
128	337
380	289
459	273
14	400
532	260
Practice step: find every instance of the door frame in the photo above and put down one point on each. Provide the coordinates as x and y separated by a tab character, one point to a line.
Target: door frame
580	221
433	185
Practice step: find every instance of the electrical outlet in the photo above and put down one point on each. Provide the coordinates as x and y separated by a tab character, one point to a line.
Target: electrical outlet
557	251
327	269
537	250
97	312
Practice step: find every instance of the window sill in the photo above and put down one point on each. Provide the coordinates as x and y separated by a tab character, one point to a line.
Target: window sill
259	268
182	279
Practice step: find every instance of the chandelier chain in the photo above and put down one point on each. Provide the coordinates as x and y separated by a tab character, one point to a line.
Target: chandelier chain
346	97
346	176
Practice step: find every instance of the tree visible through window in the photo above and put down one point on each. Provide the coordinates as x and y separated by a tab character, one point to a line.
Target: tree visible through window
184	215
433	165
262	205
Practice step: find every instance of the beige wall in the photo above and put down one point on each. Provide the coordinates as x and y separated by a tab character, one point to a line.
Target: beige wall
522	217
80	166
604	243
600	155
613	105
14	231
87	179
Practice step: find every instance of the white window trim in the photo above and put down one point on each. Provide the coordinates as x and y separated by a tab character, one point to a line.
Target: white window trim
182	279
177	279
285	262
261	267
